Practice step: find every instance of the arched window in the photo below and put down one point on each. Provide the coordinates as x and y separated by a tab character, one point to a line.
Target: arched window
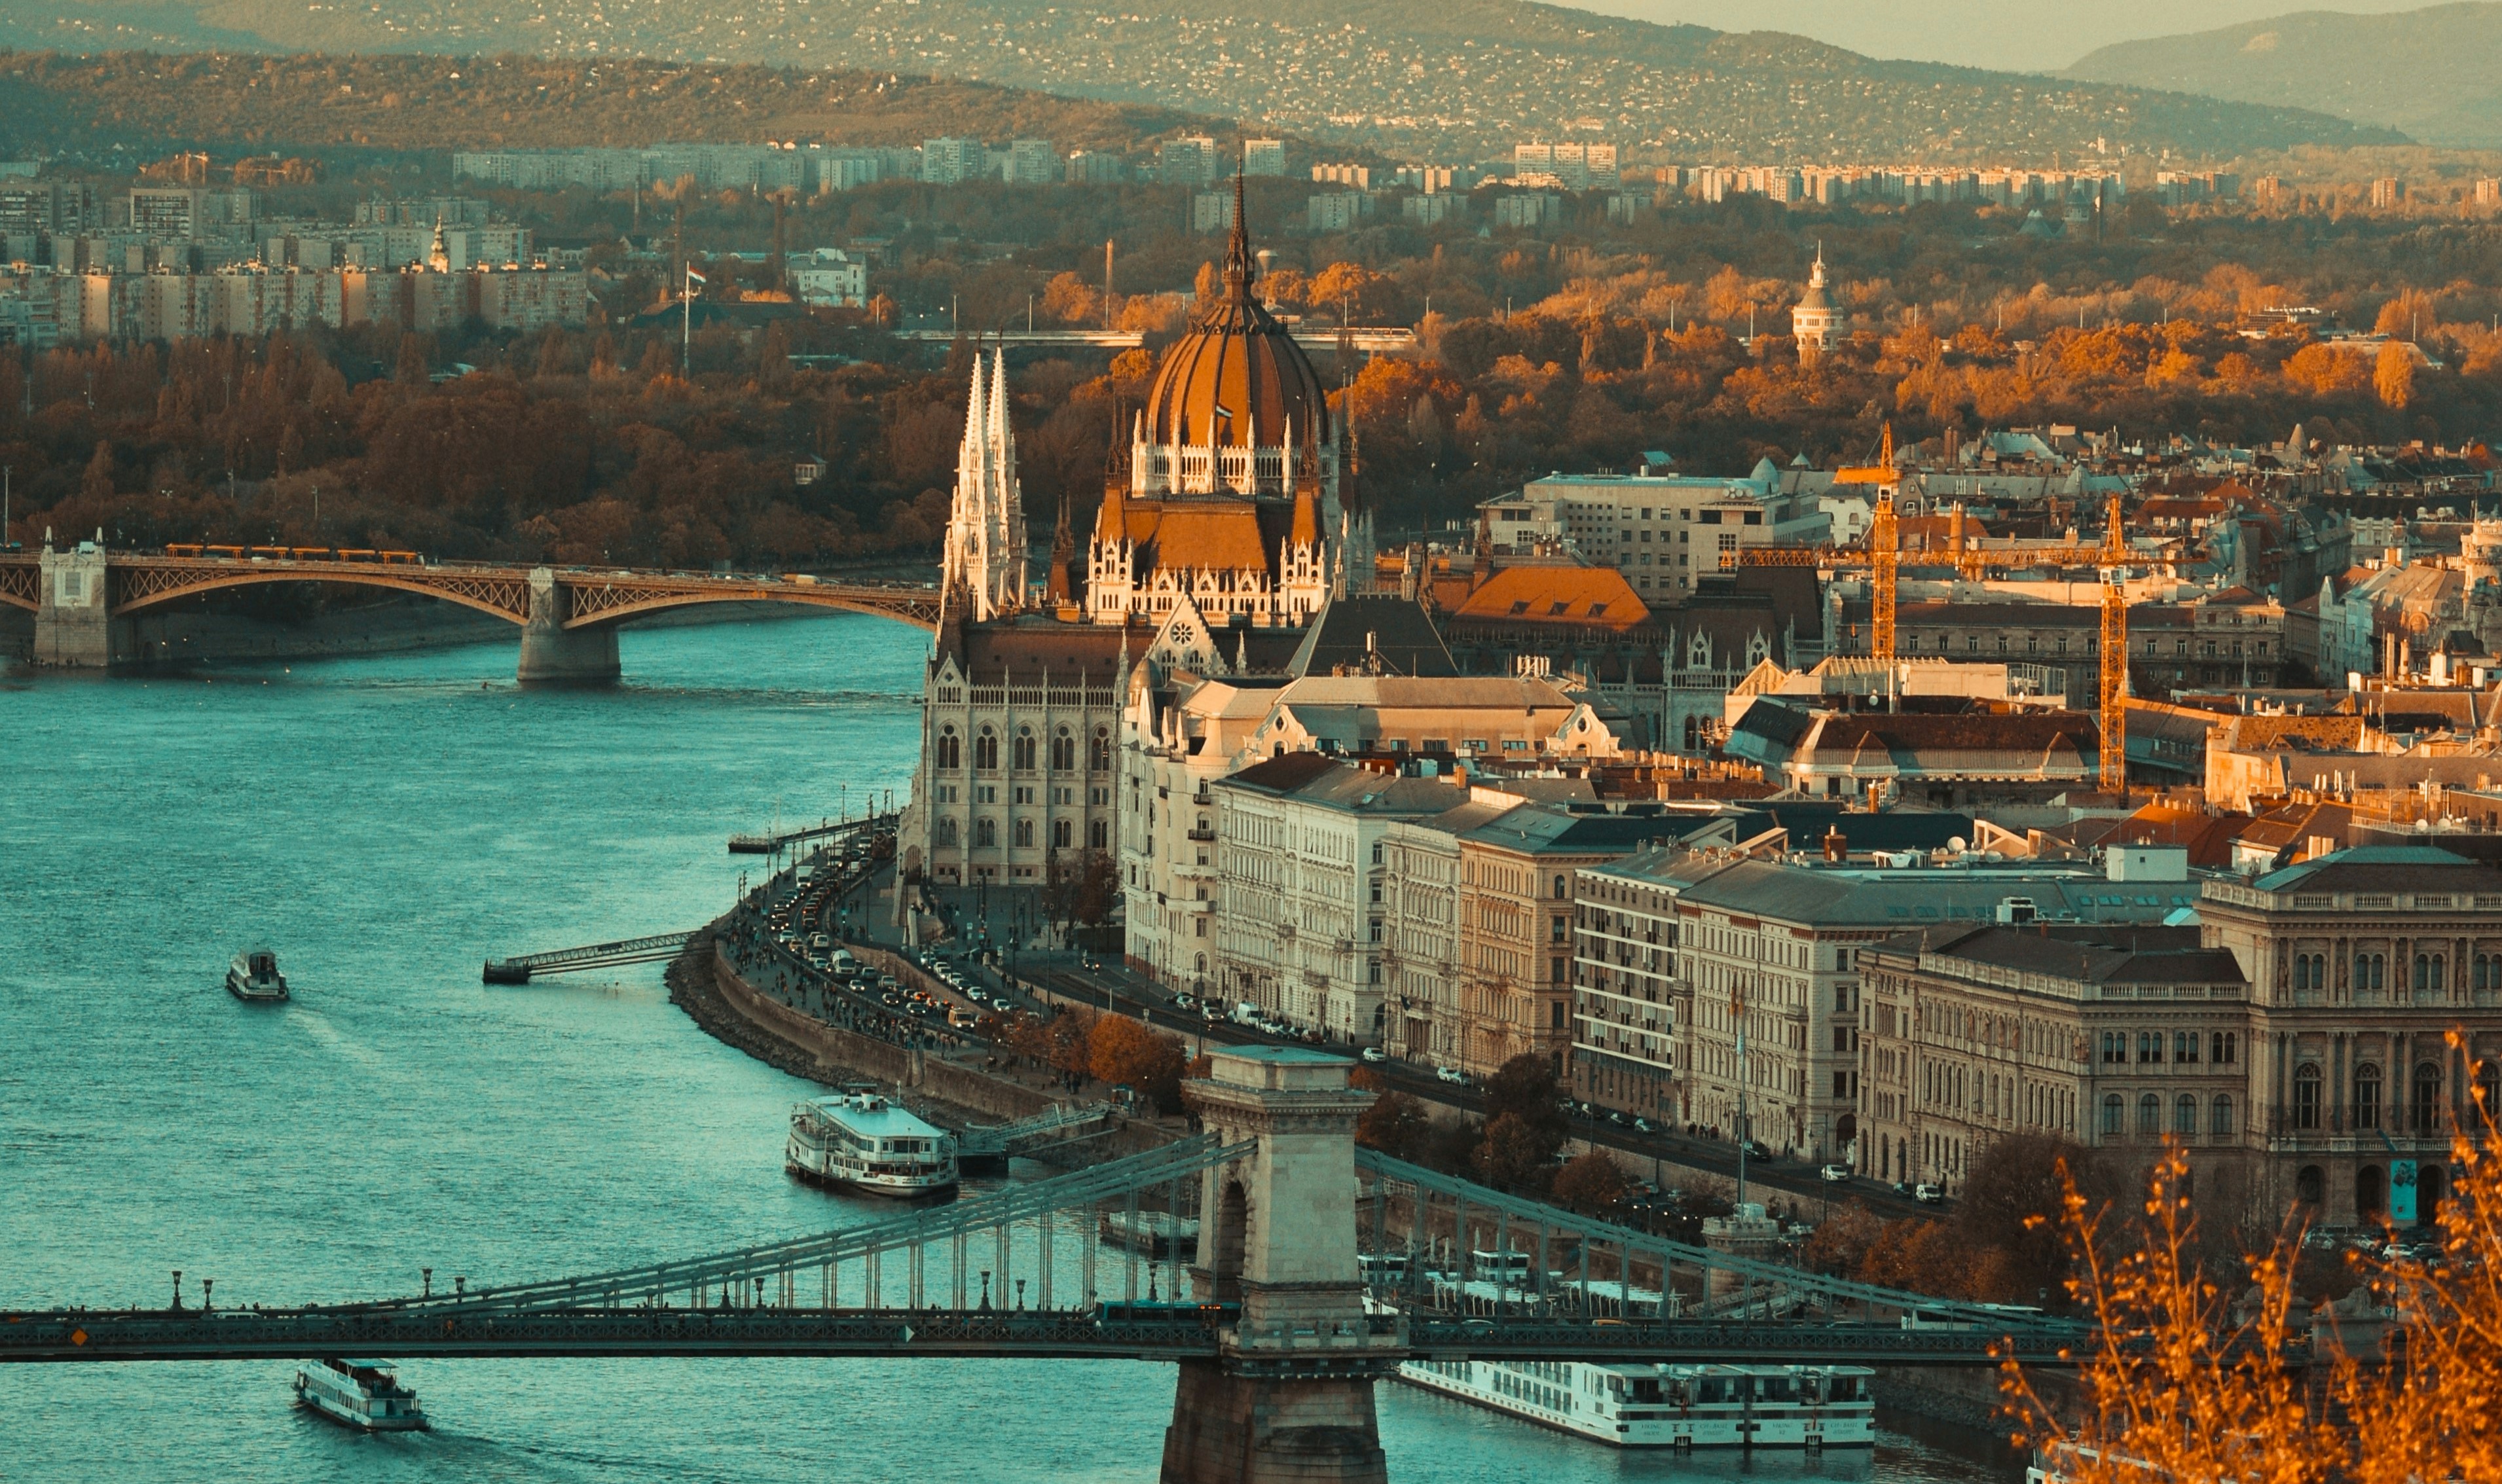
1099	758
2150	1115
2302	971
2225	1045
1561	888
2185	1115
2488	1089
986	753
2367	1095
947	832
2371	1191
2223	1127
2306	1096
2424	1116
2371	971
951	750
2310	1186
1064	752
1099	834
2430	972
1059	834
986	833
1024	750
1025	832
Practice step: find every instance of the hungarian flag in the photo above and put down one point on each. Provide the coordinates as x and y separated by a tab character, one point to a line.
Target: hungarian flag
693	277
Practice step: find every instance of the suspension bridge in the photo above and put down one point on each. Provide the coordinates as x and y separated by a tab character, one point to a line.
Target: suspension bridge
1311	1279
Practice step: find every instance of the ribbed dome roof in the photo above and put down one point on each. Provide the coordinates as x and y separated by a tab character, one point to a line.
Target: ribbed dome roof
1238	380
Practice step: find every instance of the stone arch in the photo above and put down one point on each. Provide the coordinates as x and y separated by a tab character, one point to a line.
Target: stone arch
1224	1253
2432	1183
2310	1186
2371	1193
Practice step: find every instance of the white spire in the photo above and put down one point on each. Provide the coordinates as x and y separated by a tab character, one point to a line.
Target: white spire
986	535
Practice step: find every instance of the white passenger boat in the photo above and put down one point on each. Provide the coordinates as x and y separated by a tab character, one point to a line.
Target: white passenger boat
861	1142
253	976
1670	1406
365	1395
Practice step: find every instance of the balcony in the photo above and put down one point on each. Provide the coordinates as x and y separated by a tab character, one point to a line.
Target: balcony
1205	835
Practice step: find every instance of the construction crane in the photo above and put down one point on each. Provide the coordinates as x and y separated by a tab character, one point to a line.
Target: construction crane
2111	559
1884	545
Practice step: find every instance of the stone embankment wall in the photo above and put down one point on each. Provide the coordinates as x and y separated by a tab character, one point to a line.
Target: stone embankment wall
951	1091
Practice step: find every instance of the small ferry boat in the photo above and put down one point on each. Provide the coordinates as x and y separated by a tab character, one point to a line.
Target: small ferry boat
1670	1406
861	1142
253	976
364	1394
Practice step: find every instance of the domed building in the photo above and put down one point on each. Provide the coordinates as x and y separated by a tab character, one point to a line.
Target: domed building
1814	322
1230	493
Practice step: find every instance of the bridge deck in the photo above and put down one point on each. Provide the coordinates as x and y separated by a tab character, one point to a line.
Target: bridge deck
240	1334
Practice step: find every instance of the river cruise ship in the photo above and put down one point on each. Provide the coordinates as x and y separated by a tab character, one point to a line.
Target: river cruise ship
1670	1406
861	1141
253	976
364	1394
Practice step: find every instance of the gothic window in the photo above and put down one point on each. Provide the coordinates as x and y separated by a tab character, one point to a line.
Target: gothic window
1025	831
2306	1096
947	832
1757	650
1064	752
2367	1095
2185	1115
1099	760
1060	834
986	833
986	753
2150	1115
951	752
1024	750
2110	1114
1098	834
2224	1128
1698	653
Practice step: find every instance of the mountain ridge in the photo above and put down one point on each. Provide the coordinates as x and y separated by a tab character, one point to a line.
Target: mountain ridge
2427	72
1465	78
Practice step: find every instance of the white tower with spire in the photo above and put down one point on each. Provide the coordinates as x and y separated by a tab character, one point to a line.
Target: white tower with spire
986	538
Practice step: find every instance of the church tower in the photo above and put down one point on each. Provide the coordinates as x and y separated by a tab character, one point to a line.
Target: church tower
986	556
1814	322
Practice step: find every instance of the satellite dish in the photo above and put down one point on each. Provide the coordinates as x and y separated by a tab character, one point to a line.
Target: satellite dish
1958	845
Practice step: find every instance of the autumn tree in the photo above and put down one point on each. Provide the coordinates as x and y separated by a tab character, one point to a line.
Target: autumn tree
1515	1155
1396	1124
1126	1052
1840	1242
1593	1184
2393	375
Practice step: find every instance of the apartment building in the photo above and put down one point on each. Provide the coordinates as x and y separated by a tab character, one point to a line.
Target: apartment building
1422	970
1264	157
1519	880
1662	531
2104	1034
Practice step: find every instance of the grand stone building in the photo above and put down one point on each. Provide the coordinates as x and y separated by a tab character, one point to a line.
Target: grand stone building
2295	1043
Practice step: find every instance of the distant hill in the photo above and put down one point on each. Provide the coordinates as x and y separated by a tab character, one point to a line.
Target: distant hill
2432	74
243	102
1459	78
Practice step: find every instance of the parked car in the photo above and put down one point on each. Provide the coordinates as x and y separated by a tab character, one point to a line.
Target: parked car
1374	1055
1642	1126
1929	1195
1451	1074
1185	1001
1836	1173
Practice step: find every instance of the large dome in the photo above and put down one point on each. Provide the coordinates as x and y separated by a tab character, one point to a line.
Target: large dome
1238	380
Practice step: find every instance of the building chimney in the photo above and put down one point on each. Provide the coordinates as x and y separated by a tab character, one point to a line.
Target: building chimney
1837	846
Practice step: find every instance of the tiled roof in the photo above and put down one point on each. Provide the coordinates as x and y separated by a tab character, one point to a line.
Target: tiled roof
1583	597
2385	869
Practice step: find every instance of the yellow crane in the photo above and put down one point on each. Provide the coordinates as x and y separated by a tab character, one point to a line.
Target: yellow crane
2110	558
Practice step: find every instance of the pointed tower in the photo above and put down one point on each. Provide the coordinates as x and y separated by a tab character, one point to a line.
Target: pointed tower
985	555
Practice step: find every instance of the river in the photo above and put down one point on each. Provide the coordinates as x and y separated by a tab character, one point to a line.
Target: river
386	824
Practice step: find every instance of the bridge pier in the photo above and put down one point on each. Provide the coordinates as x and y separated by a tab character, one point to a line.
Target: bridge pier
1290	1401
555	655
72	628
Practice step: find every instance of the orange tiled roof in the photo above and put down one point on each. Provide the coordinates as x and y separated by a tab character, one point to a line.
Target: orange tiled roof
1583	597
1208	537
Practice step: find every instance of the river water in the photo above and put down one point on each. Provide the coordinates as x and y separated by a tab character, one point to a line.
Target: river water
386	823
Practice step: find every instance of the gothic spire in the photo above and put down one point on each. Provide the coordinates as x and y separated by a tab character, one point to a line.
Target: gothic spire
1238	250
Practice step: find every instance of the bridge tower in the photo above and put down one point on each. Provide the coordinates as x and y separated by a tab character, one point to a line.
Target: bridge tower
1290	1401
555	655
72	624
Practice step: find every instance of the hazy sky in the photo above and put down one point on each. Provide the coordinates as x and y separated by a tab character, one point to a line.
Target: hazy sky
2010	35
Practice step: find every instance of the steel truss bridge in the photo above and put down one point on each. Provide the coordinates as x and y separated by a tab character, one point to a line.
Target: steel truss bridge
1022	1273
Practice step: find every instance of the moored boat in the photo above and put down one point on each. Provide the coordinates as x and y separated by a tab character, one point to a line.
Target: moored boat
861	1142
253	976
364	1394
1669	1407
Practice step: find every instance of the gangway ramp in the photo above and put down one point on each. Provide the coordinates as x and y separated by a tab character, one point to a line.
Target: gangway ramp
573	961
993	1146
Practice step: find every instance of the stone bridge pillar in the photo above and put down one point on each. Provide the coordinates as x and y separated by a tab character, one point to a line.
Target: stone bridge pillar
555	655
70	625
1291	1400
